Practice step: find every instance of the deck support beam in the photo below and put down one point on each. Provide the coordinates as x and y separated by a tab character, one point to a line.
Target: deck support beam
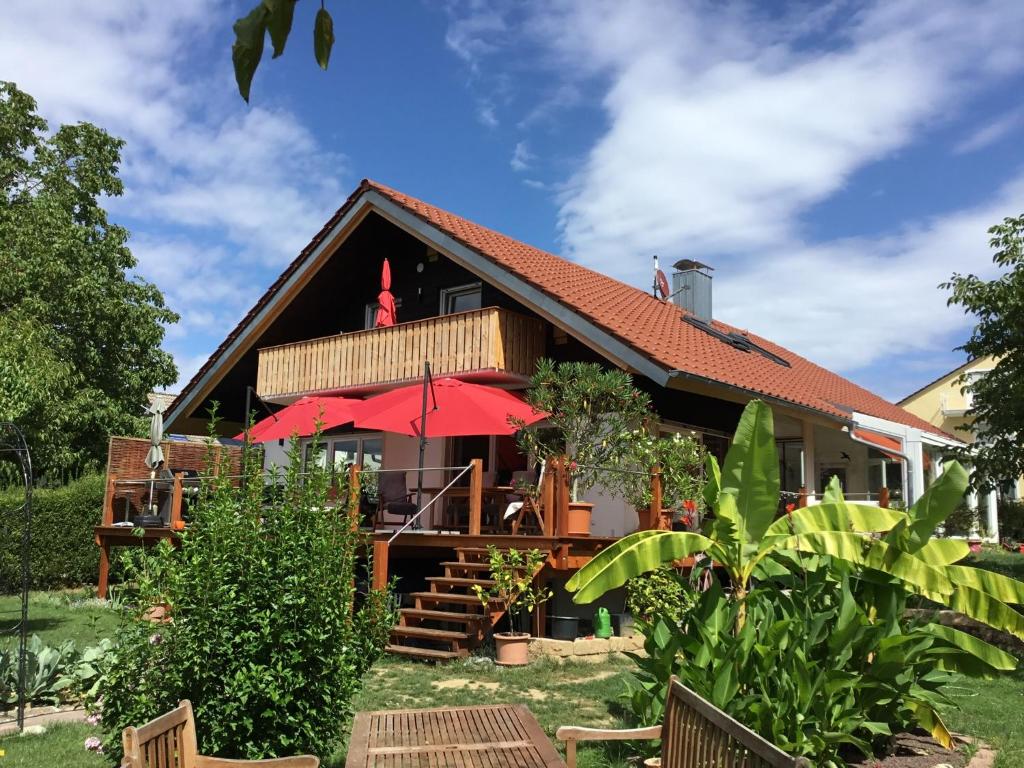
380	563
476	492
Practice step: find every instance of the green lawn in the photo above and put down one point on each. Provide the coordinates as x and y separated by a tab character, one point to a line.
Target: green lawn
999	560
57	616
992	710
62	746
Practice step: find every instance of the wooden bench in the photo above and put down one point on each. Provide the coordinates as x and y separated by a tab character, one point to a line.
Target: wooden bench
170	742
694	734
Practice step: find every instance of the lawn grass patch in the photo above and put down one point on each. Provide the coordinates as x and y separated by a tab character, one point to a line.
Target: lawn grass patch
61	746
59	616
993	711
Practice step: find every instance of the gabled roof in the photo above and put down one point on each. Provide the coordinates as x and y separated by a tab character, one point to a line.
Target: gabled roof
651	327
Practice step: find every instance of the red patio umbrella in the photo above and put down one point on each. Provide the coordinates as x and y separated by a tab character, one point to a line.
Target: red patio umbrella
386	312
301	417
454	408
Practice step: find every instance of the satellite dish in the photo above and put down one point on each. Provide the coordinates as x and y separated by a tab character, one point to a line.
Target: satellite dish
661	284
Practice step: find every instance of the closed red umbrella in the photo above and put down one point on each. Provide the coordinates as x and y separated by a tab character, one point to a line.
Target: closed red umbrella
301	417
454	408
386	312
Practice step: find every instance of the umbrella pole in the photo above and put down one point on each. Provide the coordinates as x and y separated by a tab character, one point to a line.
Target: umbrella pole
423	441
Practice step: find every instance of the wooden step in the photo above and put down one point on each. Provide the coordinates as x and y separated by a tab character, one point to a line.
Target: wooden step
427	654
455	581
429	633
466	566
425	614
445	597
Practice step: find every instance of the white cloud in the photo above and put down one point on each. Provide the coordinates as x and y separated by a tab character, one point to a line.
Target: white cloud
242	189
522	157
992	132
727	125
487	114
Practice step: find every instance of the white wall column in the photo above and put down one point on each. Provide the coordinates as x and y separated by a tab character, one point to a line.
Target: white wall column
992	516
914	448
810	465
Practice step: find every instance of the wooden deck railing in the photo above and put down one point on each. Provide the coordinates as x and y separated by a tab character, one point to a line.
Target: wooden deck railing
482	340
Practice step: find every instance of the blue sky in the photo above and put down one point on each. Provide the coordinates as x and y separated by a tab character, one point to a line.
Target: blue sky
834	161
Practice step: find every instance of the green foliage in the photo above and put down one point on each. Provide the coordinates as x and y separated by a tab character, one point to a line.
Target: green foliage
514	590
1011	519
269	639
274	17
889	554
681	460
997	409
62	551
662	592
809	670
80	335
961	521
53	673
594	415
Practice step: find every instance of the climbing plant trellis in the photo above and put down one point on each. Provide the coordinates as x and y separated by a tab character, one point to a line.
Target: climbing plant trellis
17	521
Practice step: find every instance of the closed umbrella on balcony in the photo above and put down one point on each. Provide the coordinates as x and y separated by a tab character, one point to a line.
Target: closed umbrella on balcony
386	312
301	418
155	455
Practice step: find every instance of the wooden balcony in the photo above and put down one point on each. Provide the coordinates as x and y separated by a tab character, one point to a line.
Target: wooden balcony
488	343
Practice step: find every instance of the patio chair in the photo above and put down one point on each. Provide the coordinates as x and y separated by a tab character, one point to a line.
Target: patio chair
694	733
169	741
529	509
393	497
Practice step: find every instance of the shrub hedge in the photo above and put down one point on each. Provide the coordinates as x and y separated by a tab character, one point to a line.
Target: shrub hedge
62	553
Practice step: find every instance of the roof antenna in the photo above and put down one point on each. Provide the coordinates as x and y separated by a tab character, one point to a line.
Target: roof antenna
660	282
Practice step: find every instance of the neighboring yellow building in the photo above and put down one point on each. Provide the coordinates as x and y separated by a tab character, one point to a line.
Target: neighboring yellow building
944	403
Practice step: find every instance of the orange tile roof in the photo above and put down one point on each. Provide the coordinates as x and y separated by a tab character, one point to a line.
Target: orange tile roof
652	327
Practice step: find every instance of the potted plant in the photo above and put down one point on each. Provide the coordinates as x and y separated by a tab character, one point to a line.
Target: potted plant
513	590
593	418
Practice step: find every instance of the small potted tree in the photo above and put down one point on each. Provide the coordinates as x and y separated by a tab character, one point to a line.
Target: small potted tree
593	419
680	460
513	590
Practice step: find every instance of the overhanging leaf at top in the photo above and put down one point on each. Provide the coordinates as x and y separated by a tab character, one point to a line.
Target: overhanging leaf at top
751	472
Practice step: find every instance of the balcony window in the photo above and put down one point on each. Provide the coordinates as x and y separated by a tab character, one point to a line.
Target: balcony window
462	298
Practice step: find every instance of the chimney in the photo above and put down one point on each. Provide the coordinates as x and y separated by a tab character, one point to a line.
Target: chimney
691	284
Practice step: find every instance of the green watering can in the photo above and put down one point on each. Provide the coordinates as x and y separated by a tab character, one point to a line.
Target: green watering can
602	623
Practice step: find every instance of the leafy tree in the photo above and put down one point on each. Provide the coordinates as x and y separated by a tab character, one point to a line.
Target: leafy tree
79	335
997	413
274	17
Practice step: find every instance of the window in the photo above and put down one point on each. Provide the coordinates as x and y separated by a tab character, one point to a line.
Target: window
347	450
969	381
461	298
370	319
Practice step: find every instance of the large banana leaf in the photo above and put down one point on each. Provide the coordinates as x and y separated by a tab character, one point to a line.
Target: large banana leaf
930	720
836	516
636	554
994	657
1003	588
944	551
869	553
712	481
985	608
751	472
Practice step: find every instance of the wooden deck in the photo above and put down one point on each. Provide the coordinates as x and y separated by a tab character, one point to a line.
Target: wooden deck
499	736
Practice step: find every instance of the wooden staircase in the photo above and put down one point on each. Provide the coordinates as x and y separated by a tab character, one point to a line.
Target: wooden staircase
448	621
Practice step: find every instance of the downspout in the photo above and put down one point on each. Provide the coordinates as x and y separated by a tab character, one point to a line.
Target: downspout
911	497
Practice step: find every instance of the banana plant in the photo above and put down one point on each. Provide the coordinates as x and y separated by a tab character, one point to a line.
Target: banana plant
745	535
746	539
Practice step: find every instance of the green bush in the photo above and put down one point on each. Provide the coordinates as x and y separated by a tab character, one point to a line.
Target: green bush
1011	520
961	521
268	637
63	553
662	592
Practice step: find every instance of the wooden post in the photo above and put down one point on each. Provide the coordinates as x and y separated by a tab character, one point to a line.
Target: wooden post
801	498
547	498
101	587
353	495
176	502
561	497
108	499
476	493
883	497
380	563
655	512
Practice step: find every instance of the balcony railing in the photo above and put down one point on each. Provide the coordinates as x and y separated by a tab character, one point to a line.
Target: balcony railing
489	340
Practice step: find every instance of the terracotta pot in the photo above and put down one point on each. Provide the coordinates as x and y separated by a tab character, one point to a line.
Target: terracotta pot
158	614
579	518
511	650
178	525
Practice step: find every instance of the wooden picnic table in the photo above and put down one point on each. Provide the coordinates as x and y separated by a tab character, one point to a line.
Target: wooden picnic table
498	736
